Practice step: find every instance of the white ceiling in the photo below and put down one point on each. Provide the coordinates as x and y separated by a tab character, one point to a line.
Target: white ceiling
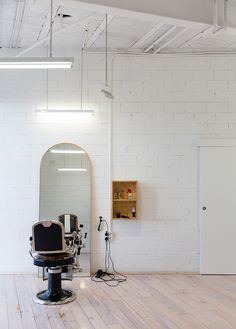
25	23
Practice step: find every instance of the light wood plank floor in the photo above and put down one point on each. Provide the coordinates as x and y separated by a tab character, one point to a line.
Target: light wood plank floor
144	301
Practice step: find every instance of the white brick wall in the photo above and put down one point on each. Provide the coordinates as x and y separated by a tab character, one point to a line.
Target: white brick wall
162	105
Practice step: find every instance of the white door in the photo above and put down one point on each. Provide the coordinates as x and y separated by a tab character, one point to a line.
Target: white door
218	210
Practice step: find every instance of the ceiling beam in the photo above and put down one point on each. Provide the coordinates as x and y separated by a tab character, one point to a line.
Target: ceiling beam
46	25
149	10
164	35
139	43
165	44
189	13
98	31
81	23
26	5
206	31
15	23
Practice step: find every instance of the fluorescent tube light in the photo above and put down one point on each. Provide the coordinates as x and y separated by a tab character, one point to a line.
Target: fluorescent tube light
64	111
67	151
36	63
72	169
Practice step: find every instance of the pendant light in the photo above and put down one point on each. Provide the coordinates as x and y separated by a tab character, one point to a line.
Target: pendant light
38	63
81	110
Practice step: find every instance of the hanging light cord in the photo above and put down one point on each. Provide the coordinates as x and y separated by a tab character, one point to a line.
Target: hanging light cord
82	68
51	24
50	51
47	89
81	77
106	71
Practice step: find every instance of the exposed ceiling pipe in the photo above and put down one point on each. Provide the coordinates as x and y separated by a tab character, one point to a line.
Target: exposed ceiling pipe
166	53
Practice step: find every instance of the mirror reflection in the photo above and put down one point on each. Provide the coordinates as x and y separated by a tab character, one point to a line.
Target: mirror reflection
65	196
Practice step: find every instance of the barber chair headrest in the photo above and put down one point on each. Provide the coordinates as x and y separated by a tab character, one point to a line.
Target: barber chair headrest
48	237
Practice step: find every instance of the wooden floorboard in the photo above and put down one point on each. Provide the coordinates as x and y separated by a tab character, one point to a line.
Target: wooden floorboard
175	301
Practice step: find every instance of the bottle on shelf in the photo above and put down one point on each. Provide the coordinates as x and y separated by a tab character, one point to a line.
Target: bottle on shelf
129	194
133	212
116	195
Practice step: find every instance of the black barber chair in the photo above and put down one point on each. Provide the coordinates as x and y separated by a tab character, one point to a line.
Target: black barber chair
49	250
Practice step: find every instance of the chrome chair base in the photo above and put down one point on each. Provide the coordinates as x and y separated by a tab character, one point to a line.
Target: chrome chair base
66	296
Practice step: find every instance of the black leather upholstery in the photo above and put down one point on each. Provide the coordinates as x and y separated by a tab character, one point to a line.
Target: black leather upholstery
49	251
54	261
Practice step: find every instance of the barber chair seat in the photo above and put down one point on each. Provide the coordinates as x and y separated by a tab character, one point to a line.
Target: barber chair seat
49	251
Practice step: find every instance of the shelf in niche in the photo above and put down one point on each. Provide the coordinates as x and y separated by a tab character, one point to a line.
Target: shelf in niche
124	200
121	218
124	206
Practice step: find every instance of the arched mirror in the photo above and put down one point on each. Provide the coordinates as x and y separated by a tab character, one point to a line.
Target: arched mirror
65	195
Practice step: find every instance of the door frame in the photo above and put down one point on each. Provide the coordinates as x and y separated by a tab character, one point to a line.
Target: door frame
207	142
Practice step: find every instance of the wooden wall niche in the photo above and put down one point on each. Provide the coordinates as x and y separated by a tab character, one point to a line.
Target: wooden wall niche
124	200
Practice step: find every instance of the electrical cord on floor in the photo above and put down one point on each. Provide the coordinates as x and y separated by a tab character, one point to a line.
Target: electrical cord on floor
114	278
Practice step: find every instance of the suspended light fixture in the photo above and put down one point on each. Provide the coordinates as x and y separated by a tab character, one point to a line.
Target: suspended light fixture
38	63
80	110
63	111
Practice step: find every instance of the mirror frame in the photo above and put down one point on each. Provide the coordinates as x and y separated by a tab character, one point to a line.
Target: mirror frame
90	187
